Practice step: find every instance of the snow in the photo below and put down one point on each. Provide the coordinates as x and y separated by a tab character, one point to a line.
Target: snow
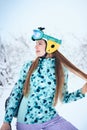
6	92
18	51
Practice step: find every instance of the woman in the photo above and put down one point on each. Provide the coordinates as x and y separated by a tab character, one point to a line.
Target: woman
42	82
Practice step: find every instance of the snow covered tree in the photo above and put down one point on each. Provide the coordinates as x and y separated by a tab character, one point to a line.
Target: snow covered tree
4	67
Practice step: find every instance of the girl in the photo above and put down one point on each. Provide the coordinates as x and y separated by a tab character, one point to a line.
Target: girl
41	83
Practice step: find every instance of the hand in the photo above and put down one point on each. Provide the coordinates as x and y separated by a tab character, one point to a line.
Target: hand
5	126
84	88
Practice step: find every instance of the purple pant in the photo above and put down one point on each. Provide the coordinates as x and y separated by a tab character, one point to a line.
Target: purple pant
57	123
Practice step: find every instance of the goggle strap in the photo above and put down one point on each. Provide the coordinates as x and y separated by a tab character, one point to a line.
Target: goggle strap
52	38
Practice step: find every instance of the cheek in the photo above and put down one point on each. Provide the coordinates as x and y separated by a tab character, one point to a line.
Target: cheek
44	49
42	52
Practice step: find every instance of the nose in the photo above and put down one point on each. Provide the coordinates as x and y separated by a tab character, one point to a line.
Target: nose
36	46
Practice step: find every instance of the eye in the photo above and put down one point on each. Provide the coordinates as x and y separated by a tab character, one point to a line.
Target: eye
40	43
52	46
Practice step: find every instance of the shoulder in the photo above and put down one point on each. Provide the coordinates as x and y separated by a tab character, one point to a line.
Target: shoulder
26	66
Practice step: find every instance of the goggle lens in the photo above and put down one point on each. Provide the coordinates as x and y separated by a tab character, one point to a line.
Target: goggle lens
37	34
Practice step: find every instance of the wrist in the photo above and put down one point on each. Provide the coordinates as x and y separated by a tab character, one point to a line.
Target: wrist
7	123
84	90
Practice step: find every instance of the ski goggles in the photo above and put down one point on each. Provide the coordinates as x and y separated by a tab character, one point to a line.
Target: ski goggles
53	44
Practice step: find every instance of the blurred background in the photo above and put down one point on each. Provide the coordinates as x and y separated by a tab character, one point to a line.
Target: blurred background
66	20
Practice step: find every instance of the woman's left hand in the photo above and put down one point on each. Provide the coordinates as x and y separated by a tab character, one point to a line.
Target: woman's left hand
84	88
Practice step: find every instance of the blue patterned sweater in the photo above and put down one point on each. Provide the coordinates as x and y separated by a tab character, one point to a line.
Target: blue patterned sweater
38	106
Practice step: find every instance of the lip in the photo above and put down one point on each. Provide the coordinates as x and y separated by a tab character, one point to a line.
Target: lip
37	51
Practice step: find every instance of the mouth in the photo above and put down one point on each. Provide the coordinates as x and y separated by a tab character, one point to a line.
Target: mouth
37	51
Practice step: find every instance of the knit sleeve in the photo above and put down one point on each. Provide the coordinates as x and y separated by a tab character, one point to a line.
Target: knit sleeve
70	96
16	94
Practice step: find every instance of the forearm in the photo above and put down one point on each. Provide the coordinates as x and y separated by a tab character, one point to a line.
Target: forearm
84	88
5	126
73	96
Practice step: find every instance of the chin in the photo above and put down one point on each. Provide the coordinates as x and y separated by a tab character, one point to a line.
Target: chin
39	54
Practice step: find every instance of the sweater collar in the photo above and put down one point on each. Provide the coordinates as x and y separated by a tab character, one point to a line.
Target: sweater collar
47	61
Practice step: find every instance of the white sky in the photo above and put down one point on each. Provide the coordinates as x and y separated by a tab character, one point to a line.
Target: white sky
21	16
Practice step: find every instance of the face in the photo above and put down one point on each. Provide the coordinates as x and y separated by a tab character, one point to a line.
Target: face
40	48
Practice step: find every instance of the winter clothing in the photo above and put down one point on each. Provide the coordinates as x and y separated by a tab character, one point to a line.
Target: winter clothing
38	106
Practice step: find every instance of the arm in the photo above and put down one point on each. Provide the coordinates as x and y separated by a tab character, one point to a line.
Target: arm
73	96
6	126
16	94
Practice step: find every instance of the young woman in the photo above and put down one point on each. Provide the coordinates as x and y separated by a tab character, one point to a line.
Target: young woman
41	83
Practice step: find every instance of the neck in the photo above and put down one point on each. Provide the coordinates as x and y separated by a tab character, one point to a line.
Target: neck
49	56
44	56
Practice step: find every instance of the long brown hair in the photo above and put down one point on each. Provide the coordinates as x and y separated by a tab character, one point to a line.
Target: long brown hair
60	61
